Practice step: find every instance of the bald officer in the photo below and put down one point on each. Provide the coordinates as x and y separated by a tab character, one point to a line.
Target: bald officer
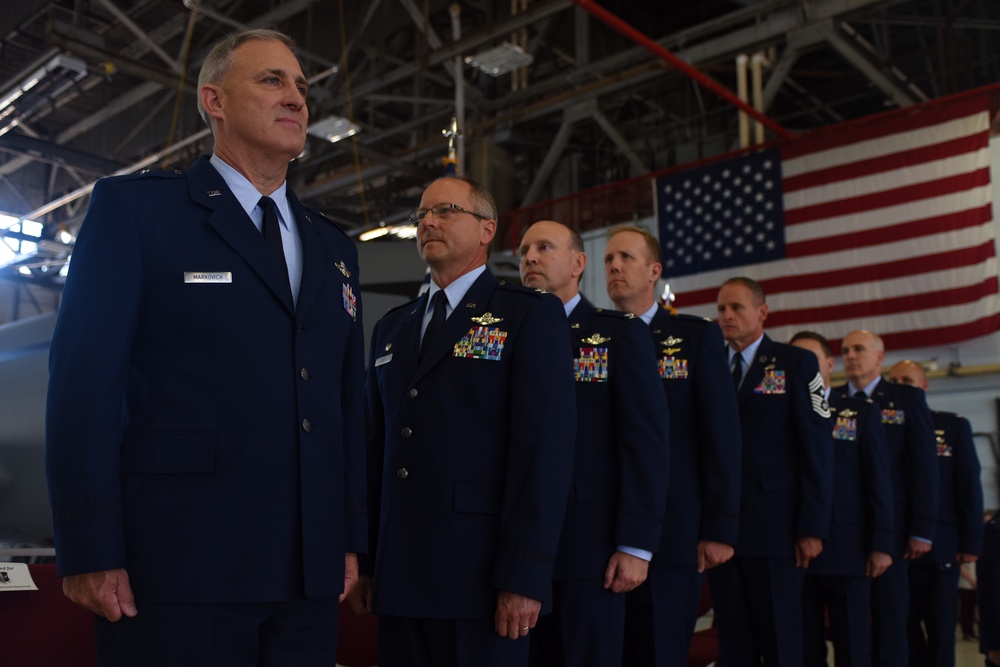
702	510
915	483
471	426
620	467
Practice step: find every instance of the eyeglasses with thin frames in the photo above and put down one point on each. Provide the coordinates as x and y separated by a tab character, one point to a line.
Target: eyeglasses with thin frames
442	212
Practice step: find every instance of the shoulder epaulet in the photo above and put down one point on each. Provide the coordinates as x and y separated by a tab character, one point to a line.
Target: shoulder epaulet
521	289
614	313
148	173
408	304
692	318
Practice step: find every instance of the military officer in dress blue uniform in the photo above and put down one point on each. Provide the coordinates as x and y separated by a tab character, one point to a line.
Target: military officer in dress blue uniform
620	467
703	495
837	585
958	537
787	486
205	427
908	429
471	428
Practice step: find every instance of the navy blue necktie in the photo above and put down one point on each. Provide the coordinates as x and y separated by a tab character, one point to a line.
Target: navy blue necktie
271	230
737	369
437	321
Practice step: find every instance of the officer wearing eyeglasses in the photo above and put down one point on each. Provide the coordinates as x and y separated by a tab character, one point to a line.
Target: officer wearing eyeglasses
471	423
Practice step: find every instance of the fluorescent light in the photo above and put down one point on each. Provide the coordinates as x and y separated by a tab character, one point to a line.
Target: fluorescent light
333	129
399	231
500	59
51	79
373	233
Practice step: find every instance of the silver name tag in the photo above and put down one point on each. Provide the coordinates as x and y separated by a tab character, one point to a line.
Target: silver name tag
208	277
383	360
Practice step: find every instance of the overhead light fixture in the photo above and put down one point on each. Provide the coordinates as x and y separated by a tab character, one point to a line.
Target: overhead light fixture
333	128
500	59
399	231
40	86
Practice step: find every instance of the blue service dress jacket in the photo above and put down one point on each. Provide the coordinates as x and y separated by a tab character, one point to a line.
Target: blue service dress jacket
960	518
703	495
621	463
915	477
201	431
470	452
787	474
861	521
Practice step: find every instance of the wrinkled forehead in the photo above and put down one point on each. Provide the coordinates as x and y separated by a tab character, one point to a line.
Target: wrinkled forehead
447	191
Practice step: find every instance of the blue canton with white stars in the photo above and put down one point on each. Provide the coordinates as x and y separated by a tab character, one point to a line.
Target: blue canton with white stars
722	215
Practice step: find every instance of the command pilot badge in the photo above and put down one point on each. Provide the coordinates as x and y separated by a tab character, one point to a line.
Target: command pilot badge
592	364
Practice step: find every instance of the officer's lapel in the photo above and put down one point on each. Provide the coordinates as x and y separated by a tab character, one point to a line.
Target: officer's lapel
231	222
316	261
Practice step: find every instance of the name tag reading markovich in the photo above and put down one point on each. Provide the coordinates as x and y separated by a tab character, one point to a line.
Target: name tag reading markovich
208	277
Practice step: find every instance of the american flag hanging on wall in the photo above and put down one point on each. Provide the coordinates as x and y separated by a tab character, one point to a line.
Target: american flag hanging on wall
883	225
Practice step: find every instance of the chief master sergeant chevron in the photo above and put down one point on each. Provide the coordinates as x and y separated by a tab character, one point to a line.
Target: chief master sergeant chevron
205	434
471	424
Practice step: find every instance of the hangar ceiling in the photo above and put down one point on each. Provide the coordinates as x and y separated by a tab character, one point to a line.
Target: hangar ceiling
592	107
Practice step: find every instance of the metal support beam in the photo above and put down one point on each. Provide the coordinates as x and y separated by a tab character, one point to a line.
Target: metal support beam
638	166
140	34
549	163
860	58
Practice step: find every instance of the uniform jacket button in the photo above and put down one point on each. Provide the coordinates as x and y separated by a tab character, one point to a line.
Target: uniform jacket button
304	374
412	393
406	432
306	426
402	473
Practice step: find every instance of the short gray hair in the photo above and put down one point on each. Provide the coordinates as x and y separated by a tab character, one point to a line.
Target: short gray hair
221	57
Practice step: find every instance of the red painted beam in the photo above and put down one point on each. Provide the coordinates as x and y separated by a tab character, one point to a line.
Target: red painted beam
639	38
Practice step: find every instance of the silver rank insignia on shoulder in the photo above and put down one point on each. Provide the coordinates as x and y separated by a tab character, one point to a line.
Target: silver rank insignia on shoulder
816	397
629	316
541	291
343	269
596	339
486	319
